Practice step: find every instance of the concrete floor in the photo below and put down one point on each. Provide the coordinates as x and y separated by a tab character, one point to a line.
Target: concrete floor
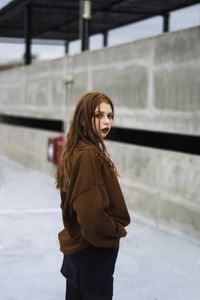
153	264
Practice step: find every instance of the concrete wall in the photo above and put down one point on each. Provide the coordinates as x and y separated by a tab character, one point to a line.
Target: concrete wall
154	84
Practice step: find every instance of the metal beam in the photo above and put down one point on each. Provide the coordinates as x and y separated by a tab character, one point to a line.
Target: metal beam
113	11
8	14
55	7
131	12
57	28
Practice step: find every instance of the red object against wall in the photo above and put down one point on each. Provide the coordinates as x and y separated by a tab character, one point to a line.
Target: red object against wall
55	147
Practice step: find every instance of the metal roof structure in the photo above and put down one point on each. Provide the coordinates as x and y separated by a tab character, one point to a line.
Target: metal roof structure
64	19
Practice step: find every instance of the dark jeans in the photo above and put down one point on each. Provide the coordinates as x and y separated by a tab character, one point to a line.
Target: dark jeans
74	294
90	271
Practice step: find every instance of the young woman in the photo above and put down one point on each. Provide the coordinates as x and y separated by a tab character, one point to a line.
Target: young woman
93	208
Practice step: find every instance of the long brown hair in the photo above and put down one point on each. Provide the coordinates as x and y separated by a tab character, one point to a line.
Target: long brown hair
82	129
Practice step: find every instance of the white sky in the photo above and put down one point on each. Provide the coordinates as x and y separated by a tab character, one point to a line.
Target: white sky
180	19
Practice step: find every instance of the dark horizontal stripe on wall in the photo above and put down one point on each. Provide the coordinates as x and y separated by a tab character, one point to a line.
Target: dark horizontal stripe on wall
160	140
44	124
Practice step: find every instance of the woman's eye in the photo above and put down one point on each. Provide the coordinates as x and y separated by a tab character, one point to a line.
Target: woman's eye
99	116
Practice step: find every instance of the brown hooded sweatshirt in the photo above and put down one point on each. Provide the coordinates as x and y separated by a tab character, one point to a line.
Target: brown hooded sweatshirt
93	208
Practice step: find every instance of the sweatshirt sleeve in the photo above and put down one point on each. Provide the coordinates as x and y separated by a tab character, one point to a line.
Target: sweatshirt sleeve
89	203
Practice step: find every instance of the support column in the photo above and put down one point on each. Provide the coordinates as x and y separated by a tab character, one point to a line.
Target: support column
84	23
105	39
66	47
166	17
27	33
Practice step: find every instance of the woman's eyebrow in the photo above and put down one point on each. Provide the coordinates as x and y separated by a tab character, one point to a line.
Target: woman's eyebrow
100	111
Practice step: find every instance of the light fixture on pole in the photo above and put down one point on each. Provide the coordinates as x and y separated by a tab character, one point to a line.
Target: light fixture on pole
86	9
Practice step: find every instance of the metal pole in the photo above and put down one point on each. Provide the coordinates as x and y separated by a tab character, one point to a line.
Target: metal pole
84	23
105	39
28	33
66	47
80	19
166	17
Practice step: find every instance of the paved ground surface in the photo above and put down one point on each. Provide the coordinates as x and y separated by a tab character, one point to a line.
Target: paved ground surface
152	265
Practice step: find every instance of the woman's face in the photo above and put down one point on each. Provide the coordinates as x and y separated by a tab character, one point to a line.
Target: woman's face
103	119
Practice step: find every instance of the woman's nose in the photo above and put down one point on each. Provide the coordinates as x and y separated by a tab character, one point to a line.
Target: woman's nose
106	120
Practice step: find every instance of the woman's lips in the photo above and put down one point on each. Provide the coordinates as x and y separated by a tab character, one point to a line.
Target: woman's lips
105	130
